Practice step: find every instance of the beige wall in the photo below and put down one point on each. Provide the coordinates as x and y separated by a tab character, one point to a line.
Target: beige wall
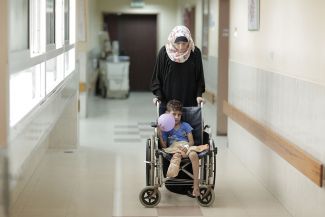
169	14
92	22
290	40
276	76
166	11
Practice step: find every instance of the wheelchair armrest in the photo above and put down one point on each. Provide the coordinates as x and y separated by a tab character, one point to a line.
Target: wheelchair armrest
215	150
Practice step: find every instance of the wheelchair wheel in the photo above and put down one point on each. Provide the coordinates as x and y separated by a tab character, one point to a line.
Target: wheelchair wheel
206	197
148	165
150	197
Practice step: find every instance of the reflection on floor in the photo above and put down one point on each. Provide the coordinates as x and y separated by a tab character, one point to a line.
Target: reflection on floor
104	176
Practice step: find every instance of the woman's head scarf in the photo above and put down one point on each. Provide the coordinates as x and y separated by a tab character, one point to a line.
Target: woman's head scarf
173	54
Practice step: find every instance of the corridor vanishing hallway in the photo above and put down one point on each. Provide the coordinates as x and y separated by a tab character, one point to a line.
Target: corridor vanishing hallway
103	177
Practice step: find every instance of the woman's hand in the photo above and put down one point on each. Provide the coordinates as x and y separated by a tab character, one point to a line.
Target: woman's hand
155	100
199	100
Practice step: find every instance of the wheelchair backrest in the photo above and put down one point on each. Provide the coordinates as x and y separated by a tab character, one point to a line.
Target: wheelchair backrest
193	116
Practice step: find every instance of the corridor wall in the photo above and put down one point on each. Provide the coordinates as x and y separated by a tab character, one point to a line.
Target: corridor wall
276	76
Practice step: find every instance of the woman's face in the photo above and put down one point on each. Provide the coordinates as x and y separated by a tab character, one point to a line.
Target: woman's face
181	46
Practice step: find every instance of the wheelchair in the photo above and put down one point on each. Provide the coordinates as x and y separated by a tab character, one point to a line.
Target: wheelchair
157	162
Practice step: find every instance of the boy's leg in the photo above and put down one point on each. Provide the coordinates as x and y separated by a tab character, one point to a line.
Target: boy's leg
198	148
173	168
195	166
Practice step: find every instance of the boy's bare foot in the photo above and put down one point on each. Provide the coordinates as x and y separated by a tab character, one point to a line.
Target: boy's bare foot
206	146
196	192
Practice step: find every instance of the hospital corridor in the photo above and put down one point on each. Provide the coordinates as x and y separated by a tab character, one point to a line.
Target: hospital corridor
79	126
105	175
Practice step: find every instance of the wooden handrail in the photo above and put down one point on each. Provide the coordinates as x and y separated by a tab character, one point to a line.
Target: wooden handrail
297	157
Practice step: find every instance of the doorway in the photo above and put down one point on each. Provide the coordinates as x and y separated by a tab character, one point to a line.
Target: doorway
137	37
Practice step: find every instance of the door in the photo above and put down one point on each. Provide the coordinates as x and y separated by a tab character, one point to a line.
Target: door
137	36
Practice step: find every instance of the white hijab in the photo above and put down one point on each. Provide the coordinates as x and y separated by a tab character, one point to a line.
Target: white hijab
172	52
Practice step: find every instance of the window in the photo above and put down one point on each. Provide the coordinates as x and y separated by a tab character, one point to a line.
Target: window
37	27
50	22
59	25
19	22
72	20
27	89
66	20
36	72
51	75
69	60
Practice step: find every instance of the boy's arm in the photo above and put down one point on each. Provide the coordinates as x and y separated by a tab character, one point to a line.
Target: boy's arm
190	139
162	142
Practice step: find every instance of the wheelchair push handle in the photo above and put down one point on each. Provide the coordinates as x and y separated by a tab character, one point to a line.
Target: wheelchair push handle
157	102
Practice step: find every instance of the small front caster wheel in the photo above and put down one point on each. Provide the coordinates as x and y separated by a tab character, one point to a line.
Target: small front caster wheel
206	197
150	197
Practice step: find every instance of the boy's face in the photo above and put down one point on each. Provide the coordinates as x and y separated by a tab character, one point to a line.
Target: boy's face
177	115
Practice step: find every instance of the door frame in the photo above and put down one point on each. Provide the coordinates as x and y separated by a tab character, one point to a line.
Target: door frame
4	105
114	35
223	65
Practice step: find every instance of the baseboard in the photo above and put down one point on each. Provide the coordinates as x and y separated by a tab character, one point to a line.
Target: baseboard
27	169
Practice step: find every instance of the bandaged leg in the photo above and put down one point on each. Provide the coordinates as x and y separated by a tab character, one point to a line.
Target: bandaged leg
173	168
198	148
176	147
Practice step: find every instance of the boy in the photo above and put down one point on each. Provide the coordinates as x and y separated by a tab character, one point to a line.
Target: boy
180	141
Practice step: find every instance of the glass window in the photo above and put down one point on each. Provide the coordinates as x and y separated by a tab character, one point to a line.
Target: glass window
37	27
66	20
50	22
26	91
59	23
72	21
69	60
19	23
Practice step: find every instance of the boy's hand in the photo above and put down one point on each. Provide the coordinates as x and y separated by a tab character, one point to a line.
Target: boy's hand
182	153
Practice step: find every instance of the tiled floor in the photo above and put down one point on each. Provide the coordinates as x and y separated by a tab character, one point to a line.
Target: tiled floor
104	176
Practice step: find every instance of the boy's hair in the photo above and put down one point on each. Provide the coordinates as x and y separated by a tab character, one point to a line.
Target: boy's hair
174	105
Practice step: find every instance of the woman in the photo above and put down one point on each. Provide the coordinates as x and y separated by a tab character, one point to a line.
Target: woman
178	72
